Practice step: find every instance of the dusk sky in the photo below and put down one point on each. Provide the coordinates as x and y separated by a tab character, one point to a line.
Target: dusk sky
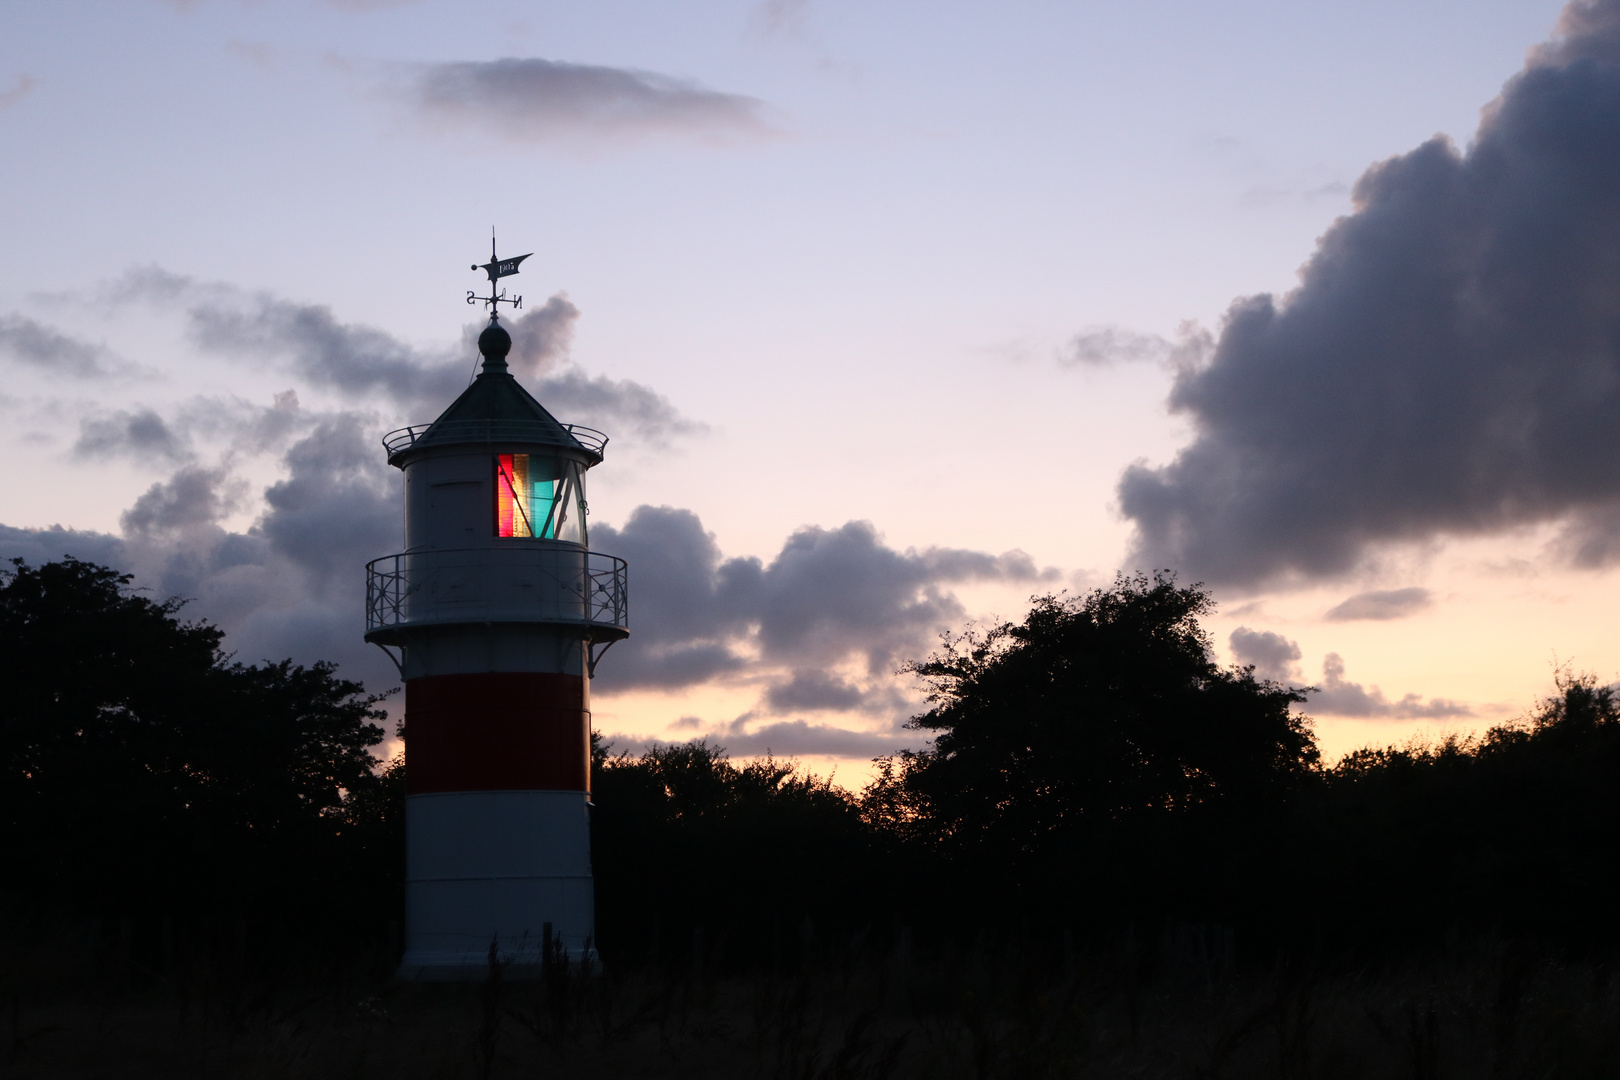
896	313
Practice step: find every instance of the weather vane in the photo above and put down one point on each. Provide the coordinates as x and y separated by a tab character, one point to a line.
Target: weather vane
497	268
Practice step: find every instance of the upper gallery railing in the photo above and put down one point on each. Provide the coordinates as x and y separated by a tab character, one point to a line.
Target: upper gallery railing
492	431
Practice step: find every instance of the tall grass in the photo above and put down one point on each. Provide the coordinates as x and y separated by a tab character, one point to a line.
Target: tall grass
852	1009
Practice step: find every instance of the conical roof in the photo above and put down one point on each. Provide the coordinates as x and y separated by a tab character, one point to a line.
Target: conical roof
496	409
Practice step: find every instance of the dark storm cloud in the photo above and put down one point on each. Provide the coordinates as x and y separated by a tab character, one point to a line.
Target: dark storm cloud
829	595
533	100
1274	657
1448	365
141	434
43	347
1383	604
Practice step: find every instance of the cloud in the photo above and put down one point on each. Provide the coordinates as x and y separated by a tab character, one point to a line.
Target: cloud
812	691
339	502
1104	346
1277	658
1385	604
1274	657
43	347
363	363
1340	697
540	338
1591	540
643	411
533	100
1107	346
291	584
192	497
141	434
828	596
358	361
36	546
831	592
1449	364
782	739
791	737
20	89
152	284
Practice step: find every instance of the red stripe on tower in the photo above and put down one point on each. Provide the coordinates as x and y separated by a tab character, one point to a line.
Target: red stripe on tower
498	731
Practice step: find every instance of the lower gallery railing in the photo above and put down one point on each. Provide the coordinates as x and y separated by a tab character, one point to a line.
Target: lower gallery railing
519	583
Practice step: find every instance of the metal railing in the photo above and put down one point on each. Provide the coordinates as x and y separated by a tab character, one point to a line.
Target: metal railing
520	583
493	431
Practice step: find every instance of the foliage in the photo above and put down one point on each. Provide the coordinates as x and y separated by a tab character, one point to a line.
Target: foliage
1510	832
140	767
683	838
1099	731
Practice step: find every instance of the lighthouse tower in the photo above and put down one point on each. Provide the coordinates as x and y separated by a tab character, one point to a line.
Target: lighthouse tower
496	613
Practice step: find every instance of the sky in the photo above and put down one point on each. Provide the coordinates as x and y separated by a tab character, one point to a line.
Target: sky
896	314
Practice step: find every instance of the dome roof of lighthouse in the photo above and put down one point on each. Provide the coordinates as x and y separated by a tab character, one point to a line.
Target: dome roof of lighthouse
496	409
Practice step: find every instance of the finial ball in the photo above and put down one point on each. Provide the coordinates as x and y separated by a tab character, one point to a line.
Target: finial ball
494	342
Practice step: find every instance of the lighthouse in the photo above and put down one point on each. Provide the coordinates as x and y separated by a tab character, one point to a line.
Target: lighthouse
496	613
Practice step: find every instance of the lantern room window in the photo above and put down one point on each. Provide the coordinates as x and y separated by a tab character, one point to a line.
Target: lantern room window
540	498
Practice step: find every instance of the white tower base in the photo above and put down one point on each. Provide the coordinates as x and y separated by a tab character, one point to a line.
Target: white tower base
480	867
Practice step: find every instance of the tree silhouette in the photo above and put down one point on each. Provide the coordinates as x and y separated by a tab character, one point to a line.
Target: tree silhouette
140	768
1098	733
